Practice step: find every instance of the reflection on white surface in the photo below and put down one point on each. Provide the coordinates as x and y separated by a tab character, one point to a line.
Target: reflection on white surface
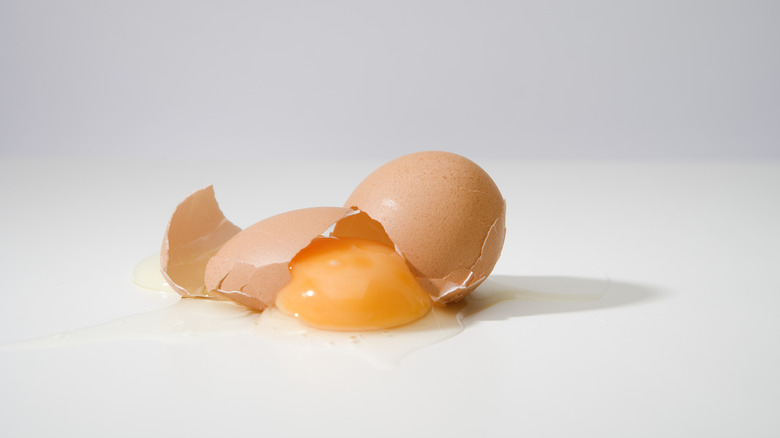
193	320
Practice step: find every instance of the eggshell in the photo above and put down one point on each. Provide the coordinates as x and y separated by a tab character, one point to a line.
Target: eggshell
445	215
195	232
252	267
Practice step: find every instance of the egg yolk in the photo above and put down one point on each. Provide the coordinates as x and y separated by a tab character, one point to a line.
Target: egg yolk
352	284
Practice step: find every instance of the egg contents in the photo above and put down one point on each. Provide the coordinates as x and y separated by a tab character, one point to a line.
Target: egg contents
352	284
425	227
186	321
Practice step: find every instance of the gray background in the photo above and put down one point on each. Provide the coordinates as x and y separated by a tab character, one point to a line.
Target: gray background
687	80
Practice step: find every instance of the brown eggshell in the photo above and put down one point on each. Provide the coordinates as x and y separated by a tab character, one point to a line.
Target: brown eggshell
445	215
252	267
195	232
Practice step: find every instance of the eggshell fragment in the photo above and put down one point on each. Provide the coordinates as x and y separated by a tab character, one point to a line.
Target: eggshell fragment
195	232
445	215
252	267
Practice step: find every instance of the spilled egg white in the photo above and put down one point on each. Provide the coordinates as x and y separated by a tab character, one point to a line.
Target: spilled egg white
188	320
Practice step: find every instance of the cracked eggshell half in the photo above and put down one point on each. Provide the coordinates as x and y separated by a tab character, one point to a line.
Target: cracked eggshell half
252	267
445	215
195	232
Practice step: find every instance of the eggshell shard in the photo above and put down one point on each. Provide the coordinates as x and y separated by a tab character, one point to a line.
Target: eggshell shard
195	232
445	215
252	267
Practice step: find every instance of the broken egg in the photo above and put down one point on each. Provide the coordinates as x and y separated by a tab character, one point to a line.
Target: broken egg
445	215
425	227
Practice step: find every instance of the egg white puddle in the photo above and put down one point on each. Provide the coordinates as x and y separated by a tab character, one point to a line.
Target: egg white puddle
195	320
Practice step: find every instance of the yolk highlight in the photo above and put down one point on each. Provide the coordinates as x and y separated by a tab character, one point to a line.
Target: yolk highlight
352	284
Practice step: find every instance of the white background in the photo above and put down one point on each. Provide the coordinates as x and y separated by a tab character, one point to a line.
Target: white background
636	144
488	79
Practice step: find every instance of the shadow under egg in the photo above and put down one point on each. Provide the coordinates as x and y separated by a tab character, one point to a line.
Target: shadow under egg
522	296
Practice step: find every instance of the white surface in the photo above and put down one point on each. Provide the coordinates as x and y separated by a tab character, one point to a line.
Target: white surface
684	344
556	79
